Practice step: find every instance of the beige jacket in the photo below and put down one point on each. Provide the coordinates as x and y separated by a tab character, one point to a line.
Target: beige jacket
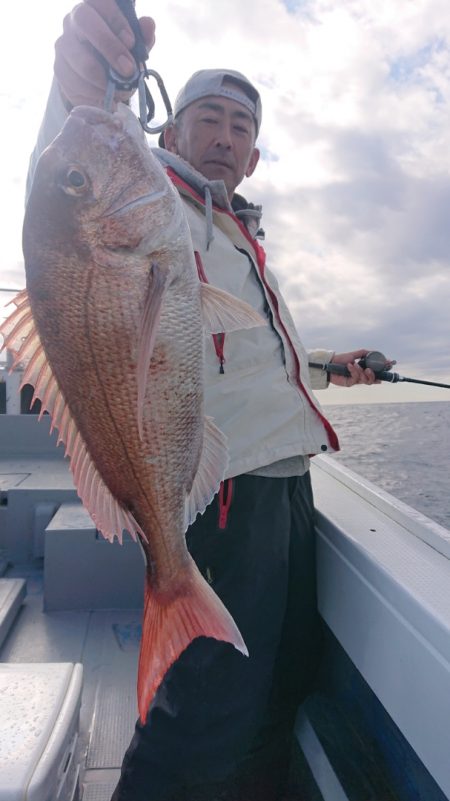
263	399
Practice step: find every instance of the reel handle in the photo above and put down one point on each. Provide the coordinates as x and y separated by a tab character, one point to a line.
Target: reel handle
375	360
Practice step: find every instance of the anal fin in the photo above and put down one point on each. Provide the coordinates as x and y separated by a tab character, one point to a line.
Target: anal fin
211	470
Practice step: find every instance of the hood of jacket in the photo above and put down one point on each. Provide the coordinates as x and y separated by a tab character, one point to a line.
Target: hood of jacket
214	193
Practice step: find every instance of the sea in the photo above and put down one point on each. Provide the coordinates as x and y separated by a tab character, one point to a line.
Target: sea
404	448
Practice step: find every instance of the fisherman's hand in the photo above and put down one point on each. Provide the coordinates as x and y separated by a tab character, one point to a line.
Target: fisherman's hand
357	374
95	27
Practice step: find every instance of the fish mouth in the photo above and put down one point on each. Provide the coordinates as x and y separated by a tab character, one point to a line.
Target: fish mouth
142	200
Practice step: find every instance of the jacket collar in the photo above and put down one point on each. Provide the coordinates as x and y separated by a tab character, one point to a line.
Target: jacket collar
212	191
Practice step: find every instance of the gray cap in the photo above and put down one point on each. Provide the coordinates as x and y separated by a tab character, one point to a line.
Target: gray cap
217	82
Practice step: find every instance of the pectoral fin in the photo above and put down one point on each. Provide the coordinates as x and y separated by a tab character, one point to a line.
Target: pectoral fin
223	313
149	327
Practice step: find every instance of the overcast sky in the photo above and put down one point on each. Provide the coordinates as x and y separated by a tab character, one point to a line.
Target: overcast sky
355	170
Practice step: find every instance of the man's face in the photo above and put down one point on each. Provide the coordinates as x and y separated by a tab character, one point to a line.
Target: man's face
216	135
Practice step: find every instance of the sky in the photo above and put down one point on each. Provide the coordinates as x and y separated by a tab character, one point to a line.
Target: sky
354	175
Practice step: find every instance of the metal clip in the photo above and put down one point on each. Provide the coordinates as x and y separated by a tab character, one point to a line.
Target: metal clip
117	82
139	78
147	104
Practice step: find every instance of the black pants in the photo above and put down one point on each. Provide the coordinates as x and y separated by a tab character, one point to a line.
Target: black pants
220	725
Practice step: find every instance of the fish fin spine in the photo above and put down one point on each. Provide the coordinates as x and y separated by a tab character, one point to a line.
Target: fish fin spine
22	339
18	327
169	626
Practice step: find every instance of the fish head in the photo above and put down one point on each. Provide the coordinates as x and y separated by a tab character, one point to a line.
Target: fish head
99	190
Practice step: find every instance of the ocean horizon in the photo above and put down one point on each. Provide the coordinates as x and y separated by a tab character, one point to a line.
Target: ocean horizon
404	448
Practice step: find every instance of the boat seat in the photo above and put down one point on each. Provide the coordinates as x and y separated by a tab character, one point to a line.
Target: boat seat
39	716
12	593
84	571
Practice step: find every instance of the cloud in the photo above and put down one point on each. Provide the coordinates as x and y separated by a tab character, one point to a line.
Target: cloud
362	233
355	169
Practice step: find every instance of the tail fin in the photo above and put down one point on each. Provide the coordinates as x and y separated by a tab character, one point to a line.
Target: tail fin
168	627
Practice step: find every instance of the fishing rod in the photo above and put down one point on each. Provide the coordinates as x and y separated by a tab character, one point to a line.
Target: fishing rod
376	362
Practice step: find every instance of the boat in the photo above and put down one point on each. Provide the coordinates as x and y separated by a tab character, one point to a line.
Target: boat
376	727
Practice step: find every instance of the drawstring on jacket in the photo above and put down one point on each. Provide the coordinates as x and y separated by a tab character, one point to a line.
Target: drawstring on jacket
209	217
219	342
218	339
225	498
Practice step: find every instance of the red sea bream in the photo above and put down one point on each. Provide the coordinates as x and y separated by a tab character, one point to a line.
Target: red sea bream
110	329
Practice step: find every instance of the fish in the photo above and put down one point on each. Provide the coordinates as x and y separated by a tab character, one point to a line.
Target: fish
110	330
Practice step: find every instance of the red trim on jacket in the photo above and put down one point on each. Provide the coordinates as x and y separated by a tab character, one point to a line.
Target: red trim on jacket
225	501
331	434
218	339
200	268
259	251
260	262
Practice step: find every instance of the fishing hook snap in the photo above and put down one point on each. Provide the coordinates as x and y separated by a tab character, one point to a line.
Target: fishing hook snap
139	78
147	104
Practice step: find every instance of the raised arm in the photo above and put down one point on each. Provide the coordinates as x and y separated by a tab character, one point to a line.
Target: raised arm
95	34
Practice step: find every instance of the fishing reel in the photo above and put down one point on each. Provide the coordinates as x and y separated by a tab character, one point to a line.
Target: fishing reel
376	361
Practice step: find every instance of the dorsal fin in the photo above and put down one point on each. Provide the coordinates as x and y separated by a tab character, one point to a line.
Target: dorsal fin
22	339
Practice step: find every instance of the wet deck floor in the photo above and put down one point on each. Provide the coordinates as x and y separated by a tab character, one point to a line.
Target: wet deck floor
107	643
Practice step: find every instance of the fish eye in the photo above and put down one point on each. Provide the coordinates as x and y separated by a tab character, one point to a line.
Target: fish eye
76	178
74	181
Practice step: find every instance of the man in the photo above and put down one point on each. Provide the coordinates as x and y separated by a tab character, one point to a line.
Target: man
220	725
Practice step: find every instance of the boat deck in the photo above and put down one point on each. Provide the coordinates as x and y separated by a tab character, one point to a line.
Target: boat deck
107	644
